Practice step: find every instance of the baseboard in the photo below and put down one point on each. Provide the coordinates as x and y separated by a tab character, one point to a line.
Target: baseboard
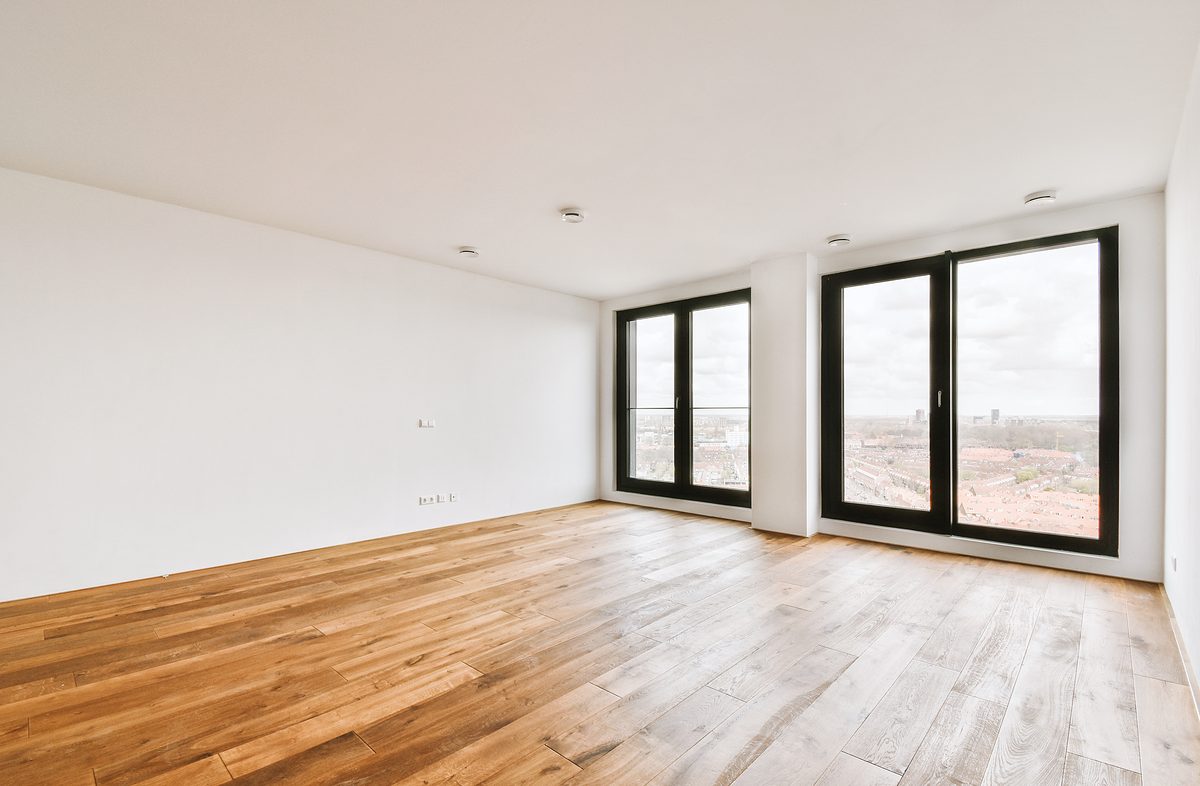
1193	684
679	505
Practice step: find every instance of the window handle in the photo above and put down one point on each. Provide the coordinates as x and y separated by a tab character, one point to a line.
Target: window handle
939	399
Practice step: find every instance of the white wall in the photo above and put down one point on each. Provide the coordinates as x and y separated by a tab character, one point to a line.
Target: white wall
181	390
1182	534
1142	358
785	431
608	309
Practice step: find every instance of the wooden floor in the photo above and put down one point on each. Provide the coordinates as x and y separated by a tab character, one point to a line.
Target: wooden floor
598	644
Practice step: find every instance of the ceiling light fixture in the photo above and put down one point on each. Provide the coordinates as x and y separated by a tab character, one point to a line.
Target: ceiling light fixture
571	215
468	252
838	240
1041	197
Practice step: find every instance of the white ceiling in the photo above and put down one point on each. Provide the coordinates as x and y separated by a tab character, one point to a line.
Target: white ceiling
698	135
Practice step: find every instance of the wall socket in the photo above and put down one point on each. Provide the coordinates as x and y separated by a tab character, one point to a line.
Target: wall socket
433	499
424	500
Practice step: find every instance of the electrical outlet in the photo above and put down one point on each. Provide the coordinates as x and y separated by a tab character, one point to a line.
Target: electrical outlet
423	500
426	423
453	497
441	497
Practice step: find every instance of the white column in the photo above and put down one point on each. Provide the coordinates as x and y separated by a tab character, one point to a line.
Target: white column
784	442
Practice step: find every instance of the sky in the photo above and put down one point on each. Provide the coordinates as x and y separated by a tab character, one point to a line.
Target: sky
1028	338
1028	342
720	358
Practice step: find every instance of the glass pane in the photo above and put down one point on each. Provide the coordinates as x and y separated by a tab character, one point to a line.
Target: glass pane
652	379
1029	391
721	448
885	343
653	444
721	357
652	350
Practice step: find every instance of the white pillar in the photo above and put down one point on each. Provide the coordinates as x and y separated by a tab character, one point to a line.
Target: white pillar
785	394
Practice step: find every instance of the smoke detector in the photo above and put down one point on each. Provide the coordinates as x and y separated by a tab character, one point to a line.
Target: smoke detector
571	215
1041	197
468	252
838	240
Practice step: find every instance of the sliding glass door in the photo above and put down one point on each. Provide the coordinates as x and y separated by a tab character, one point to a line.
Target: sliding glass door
1037	393
883	378
992	407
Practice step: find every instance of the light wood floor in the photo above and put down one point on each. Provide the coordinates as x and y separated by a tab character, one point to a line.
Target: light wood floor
598	644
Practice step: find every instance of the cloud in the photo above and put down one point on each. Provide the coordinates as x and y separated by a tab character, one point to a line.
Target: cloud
1028	338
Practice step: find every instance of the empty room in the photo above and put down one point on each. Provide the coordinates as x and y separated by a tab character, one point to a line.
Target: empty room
471	393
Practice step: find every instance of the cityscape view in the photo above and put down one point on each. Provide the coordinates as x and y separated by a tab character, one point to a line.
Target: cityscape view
1027	370
720	448
1037	473
720	371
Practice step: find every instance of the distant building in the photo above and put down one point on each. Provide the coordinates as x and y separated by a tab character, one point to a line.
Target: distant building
995	417
920	417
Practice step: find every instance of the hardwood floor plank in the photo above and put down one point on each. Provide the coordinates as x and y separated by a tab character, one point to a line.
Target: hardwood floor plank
991	670
959	743
644	753
1032	745
1155	653
1168	732
431	730
605	731
35	688
1067	591
955	639
19	638
541	767
810	743
1104	592
496	752
313	767
891	733
1104	715
1086	772
377	705
849	771
208	771
14	730
724	753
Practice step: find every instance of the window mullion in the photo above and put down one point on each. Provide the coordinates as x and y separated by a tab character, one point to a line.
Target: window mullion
683	396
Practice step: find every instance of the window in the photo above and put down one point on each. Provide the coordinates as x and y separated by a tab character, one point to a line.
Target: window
976	393
683	399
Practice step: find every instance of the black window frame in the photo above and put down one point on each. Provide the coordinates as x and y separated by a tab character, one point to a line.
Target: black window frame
682	487
937	518
942	518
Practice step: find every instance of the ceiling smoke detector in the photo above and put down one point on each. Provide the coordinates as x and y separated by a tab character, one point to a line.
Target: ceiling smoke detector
1041	197
838	240
571	215
468	252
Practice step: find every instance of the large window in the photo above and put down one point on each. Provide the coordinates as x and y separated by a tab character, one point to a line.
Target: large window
975	393
683	399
